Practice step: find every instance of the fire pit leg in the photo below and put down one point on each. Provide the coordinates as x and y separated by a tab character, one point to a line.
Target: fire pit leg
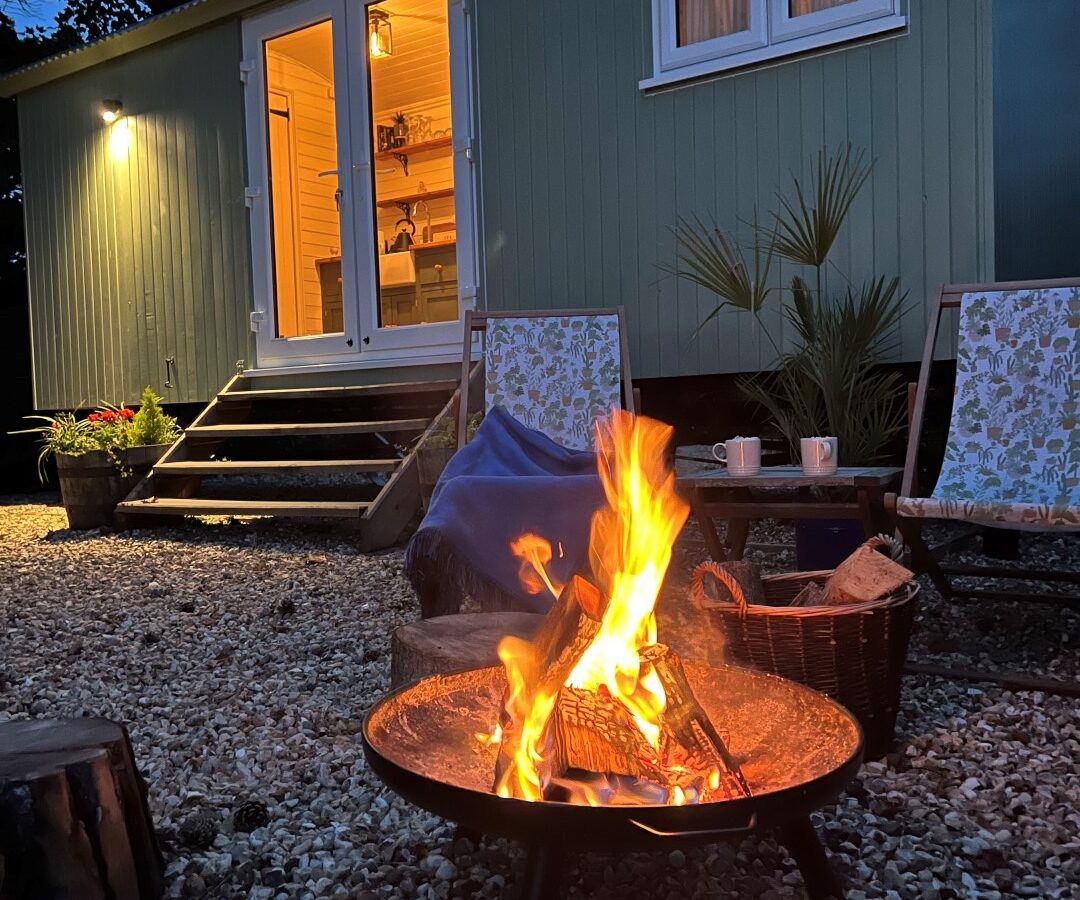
802	842
543	872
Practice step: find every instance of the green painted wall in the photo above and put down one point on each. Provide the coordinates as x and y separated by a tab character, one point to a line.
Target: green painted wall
138	259
582	175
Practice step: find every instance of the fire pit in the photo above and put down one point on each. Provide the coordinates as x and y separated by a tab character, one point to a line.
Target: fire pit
595	734
796	748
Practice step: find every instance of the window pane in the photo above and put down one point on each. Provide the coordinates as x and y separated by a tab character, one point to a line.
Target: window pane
805	7
302	148
411	139
702	20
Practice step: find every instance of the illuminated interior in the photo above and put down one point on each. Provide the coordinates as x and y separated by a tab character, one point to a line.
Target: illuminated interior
414	260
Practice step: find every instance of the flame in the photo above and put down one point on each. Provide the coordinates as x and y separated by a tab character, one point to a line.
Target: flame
629	551
535	553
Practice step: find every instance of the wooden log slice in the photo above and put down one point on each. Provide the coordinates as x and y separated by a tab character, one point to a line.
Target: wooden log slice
73	815
447	643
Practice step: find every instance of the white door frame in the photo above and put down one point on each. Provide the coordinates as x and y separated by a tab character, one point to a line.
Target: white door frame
363	343
270	349
442	336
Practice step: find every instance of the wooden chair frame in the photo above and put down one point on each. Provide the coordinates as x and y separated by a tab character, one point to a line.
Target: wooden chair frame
924	557
478	322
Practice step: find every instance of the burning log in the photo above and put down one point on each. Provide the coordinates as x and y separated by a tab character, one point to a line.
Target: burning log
690	727
594	732
594	707
544	665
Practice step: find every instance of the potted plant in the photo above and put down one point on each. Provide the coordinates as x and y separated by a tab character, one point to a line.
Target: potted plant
401	129
434	453
100	458
828	382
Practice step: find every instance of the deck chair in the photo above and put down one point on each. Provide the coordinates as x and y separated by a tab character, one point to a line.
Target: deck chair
1012	457
553	372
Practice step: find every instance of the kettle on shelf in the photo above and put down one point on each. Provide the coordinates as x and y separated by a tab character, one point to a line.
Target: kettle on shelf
404	239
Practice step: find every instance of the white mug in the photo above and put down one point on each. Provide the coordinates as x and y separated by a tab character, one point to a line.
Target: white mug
741	455
818	455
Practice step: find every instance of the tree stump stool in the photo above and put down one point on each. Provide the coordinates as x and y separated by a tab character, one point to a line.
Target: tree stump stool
74	822
449	643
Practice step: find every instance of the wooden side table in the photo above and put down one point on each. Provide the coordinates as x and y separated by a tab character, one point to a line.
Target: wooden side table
713	493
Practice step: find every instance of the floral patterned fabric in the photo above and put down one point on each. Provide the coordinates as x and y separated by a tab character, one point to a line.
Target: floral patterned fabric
555	374
1013	453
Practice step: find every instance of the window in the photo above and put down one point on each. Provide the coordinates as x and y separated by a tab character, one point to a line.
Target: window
692	38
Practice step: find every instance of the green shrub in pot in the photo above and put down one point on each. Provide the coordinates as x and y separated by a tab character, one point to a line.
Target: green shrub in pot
101	457
830	381
437	449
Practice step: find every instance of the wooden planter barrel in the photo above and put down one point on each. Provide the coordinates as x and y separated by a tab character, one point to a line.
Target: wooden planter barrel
91	484
430	462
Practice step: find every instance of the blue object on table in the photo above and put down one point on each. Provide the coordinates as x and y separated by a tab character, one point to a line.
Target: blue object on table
509	480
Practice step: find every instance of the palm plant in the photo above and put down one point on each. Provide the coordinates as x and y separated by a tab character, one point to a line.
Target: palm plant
830	383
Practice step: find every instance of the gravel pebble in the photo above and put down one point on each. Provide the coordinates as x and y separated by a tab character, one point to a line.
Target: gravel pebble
242	657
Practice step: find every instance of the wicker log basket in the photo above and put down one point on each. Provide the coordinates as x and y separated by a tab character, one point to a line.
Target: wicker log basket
853	653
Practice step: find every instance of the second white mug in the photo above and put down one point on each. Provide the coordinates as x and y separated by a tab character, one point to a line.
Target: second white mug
741	455
819	455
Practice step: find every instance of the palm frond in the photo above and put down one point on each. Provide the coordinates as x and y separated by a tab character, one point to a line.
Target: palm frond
806	227
708	258
831	384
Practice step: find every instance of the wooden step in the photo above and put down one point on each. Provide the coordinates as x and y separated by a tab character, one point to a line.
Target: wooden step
277	467
343	393
180	506
304	428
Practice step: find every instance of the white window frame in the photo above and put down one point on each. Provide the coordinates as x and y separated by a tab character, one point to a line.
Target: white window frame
672	56
773	34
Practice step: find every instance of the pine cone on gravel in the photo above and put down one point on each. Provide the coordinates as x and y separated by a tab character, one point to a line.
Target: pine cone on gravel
198	829
249	815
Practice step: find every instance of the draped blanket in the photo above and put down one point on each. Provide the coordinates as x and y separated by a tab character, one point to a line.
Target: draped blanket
509	480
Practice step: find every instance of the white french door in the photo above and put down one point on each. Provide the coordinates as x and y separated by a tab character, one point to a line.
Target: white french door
333	185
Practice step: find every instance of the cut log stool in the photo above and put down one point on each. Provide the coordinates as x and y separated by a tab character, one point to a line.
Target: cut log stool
450	643
73	816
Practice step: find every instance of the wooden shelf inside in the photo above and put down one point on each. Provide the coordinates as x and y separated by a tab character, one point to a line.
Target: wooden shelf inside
432	245
418	147
391	202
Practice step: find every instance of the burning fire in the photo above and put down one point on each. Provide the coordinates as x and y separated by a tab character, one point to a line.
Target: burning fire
629	552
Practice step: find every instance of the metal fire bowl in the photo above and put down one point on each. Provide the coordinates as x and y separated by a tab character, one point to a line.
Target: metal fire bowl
798	750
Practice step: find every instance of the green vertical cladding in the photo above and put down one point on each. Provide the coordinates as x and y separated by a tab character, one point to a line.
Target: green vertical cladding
583	175
140	256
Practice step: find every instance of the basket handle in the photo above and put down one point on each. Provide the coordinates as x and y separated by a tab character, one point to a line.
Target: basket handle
697	586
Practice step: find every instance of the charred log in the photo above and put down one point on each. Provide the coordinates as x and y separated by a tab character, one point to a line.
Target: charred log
689	726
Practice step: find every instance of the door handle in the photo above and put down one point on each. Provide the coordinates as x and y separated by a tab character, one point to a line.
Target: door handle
170	361
339	193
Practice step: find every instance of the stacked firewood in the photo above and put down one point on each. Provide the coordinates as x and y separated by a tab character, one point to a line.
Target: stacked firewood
867	575
591	733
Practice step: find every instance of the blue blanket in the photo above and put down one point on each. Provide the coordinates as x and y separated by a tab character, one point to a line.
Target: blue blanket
507	481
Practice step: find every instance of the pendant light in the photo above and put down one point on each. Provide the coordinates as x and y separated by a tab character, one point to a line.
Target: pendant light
380	36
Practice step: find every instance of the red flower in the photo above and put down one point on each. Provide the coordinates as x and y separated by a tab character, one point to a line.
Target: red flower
56	426
108	415
127	414
94	417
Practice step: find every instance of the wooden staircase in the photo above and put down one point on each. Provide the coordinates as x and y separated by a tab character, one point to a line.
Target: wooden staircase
339	452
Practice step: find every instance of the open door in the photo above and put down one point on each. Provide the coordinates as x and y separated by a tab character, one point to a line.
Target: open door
361	179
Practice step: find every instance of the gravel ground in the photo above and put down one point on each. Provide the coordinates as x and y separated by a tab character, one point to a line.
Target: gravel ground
242	657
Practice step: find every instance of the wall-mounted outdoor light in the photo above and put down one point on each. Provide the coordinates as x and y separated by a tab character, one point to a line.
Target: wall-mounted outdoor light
111	110
380	35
